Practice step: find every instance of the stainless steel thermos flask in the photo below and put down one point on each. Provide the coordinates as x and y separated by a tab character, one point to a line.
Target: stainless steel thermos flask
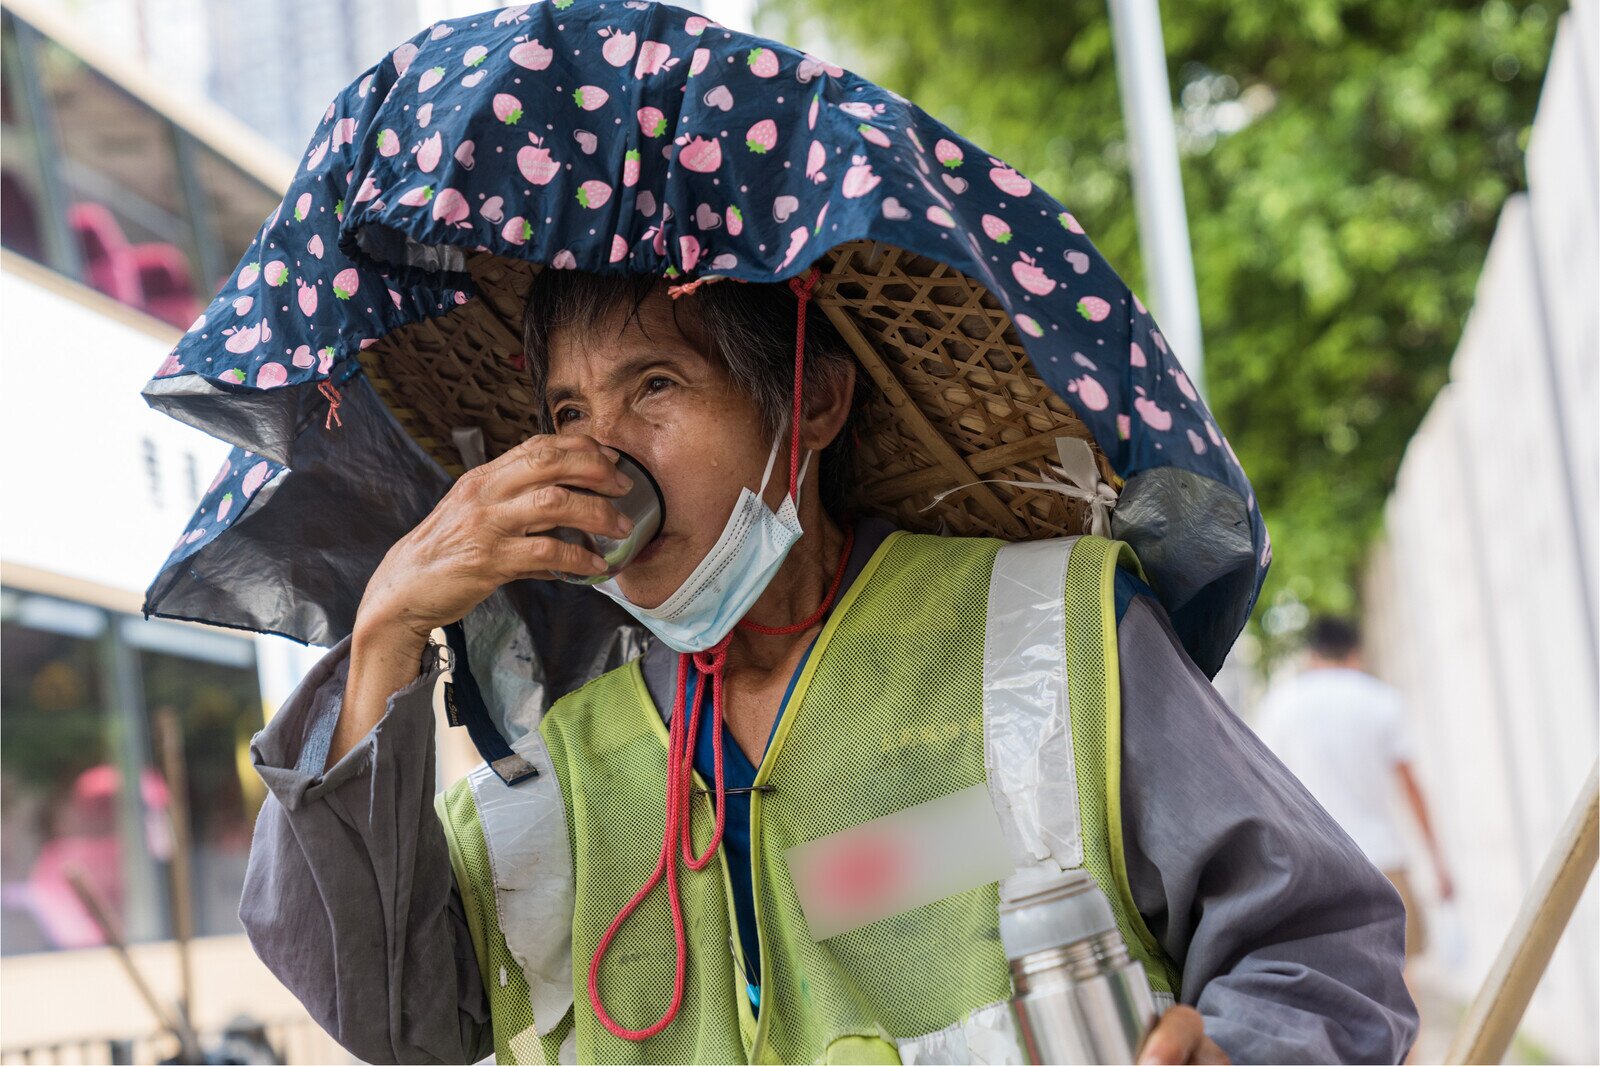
1079	997
642	503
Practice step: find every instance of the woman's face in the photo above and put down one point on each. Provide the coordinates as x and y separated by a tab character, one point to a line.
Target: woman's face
650	392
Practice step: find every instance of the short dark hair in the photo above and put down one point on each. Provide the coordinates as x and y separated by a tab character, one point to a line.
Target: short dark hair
748	327
1333	638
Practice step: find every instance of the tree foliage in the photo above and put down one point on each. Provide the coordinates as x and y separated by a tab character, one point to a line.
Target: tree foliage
1343	164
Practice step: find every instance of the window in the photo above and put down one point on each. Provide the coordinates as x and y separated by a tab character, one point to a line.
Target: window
82	788
24	201
235	206
106	189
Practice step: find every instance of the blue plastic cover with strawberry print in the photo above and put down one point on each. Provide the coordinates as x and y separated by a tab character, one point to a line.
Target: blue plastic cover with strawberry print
633	137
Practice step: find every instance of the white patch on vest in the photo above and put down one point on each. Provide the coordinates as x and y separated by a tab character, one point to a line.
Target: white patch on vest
525	827
987	1036
1027	724
500	651
502	977
568	1051
525	1046
906	859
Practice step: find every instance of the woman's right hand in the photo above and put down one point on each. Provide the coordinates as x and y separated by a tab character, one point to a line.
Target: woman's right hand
491	528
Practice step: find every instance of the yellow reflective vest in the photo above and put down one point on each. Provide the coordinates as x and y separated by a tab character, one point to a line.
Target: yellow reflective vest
949	663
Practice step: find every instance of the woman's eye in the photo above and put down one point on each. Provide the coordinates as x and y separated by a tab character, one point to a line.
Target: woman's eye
657	384
565	415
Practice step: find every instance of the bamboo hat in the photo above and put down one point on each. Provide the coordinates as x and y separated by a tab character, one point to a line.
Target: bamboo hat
1016	387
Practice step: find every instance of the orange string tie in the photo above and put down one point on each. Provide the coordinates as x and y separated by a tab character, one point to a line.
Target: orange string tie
331	392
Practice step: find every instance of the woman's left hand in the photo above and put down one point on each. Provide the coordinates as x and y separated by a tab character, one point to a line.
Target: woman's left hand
1180	1038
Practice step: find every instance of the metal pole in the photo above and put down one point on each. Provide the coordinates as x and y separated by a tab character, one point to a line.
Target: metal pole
170	741
1157	186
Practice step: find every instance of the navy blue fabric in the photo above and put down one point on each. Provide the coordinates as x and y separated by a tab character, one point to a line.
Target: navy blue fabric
1126	587
631	138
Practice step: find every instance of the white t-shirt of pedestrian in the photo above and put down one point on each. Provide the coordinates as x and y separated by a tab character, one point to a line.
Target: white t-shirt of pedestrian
1342	732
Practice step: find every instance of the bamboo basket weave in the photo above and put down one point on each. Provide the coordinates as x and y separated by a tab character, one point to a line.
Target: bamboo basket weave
953	399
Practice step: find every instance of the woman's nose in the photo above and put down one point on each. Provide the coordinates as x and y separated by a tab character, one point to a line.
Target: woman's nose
615	430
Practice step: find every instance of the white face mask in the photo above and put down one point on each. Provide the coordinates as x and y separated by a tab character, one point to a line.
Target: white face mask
732	576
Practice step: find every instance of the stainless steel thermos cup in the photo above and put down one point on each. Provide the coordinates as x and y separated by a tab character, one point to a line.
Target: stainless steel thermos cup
642	503
1078	998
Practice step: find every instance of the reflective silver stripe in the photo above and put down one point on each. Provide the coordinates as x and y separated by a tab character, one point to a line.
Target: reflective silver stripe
1027	728
525	827
988	1035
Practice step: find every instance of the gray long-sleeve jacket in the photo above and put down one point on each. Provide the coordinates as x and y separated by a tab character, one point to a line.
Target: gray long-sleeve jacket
1291	943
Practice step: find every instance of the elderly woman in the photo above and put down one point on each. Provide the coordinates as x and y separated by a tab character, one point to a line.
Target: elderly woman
807	672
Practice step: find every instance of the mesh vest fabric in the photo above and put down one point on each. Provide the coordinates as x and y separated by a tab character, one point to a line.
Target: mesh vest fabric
887	714
1095	698
510	1007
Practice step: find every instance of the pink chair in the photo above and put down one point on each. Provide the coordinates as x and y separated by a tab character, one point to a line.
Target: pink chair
166	282
107	258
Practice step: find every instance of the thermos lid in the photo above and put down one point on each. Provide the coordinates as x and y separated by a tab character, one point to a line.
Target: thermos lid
1041	911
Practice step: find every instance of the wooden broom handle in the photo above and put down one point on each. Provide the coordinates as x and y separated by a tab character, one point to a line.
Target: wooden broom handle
1492	1020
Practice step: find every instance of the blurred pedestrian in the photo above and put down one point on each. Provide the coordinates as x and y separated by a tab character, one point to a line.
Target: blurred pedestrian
1345	734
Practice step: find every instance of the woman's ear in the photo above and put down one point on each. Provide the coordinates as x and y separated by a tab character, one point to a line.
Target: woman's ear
827	405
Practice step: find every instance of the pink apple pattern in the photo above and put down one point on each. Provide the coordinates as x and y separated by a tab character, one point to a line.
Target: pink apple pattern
588	137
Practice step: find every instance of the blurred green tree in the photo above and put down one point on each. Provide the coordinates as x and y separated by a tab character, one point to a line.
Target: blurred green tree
1344	164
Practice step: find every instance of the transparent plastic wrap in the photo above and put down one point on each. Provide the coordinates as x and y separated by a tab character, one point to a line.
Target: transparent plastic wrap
532	642
525	828
1027	743
297	560
985	1037
1192	535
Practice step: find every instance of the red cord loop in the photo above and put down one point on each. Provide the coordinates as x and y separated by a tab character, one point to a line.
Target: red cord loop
712	663
802	285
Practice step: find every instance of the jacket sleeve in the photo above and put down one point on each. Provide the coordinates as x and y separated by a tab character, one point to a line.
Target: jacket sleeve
1292	944
349	897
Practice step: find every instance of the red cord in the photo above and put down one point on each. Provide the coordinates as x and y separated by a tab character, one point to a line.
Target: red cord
710	663
802	286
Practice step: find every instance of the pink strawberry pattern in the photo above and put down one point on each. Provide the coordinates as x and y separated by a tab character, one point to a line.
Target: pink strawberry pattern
762	136
652	123
589	136
763	62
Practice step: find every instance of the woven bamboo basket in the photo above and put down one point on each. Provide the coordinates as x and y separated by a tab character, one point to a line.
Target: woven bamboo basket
953	400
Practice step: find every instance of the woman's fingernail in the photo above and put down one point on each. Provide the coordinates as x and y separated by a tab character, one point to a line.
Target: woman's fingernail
624	523
611	453
624	482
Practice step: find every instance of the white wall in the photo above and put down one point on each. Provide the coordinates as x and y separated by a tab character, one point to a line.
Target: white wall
79	496
1480	602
